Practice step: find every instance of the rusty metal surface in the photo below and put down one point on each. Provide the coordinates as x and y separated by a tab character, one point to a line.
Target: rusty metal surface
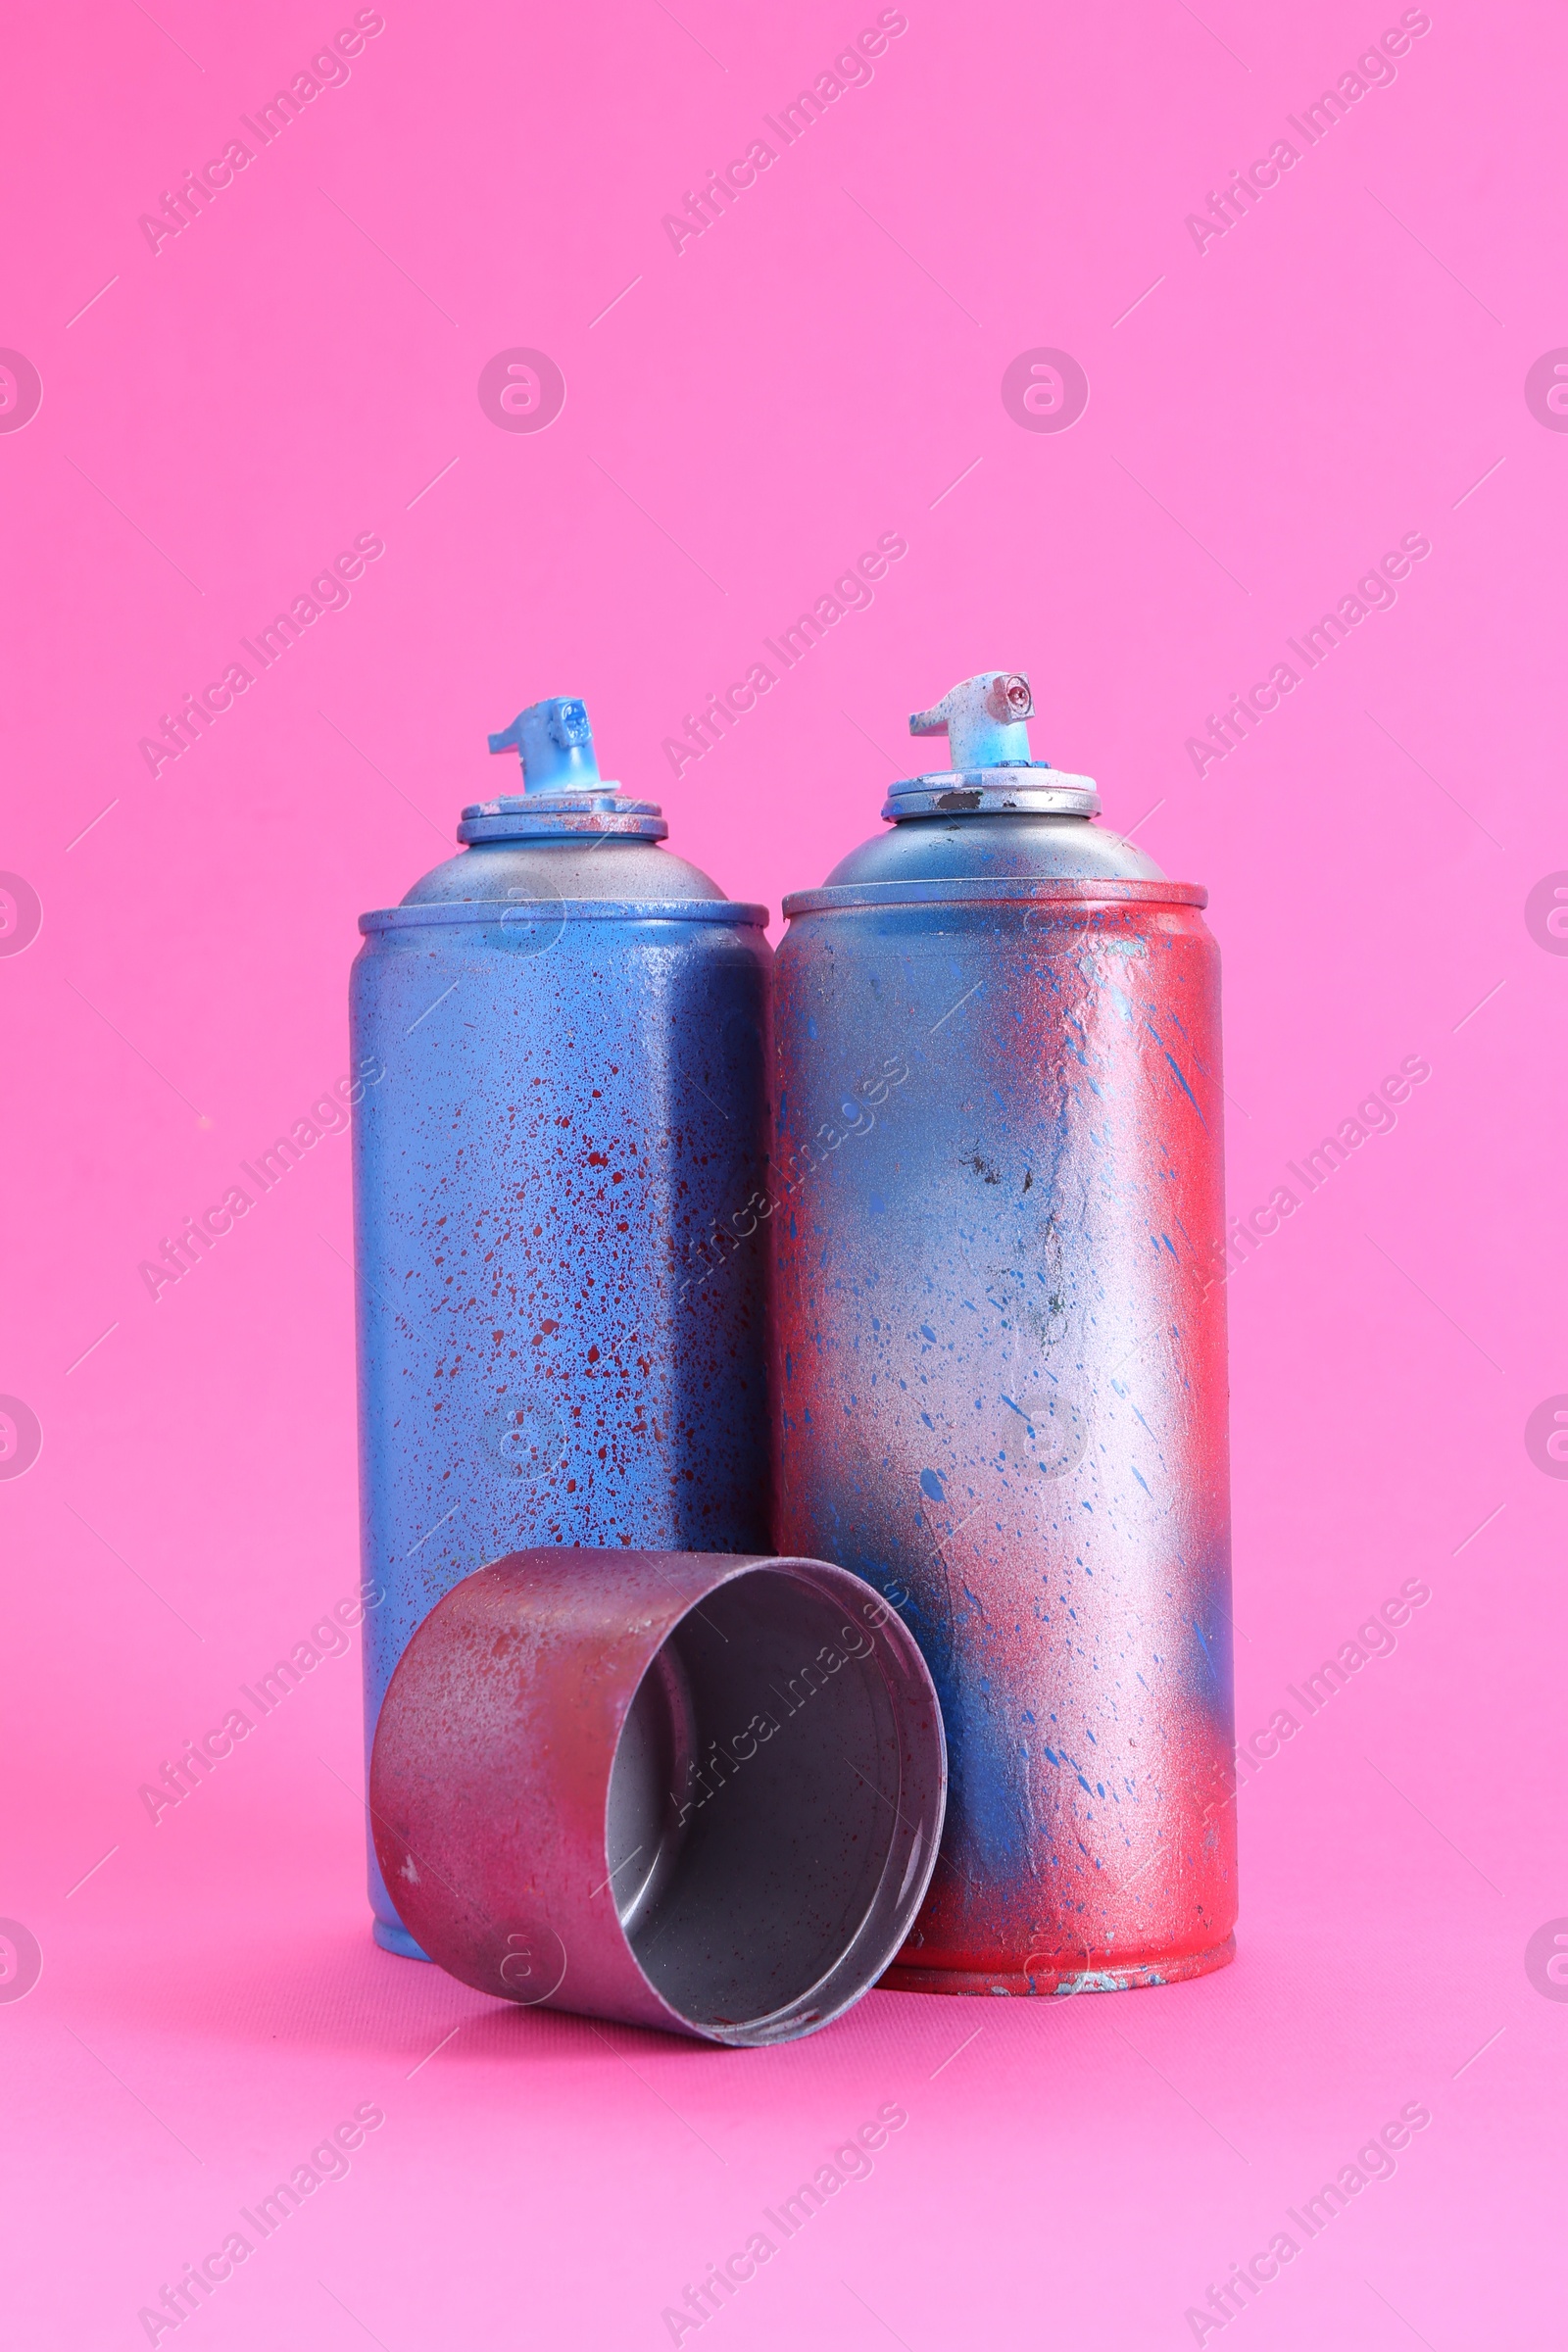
676	1789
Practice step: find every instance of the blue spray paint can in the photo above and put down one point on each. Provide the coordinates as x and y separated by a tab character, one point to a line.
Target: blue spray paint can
571	1132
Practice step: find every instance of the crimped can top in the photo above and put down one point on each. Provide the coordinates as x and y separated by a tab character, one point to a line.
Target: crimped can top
497	912
998	890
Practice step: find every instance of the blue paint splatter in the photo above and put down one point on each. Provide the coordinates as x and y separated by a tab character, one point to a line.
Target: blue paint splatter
1182	1083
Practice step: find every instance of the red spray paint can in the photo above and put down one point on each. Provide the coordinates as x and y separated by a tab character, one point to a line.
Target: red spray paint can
1000	1347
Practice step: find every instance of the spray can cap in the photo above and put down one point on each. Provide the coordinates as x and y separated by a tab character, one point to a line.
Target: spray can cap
554	744
562	791
984	721
990	771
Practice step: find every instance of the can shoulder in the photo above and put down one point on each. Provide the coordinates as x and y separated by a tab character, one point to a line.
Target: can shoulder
960	847
601	866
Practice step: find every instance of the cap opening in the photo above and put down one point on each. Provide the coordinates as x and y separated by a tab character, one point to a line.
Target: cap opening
774	1805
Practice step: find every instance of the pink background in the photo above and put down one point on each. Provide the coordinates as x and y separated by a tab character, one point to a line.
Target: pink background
1344	366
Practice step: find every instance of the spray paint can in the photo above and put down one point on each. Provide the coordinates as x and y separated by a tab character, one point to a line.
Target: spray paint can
565	1131
1001	1346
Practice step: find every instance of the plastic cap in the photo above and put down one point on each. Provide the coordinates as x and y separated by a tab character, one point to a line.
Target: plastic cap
554	744
983	720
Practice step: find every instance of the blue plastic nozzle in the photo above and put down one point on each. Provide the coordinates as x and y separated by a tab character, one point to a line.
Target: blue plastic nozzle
554	744
983	720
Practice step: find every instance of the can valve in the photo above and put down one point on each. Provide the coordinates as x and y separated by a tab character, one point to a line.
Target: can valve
554	744
983	720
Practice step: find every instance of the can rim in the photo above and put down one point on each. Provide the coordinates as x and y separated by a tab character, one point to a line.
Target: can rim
436	913
1073	890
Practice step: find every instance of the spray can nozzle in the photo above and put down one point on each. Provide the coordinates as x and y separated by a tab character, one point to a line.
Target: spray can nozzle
554	744
983	720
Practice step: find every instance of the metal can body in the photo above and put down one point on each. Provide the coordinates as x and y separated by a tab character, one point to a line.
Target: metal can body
552	1135
1002	1389
563	1102
685	1790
